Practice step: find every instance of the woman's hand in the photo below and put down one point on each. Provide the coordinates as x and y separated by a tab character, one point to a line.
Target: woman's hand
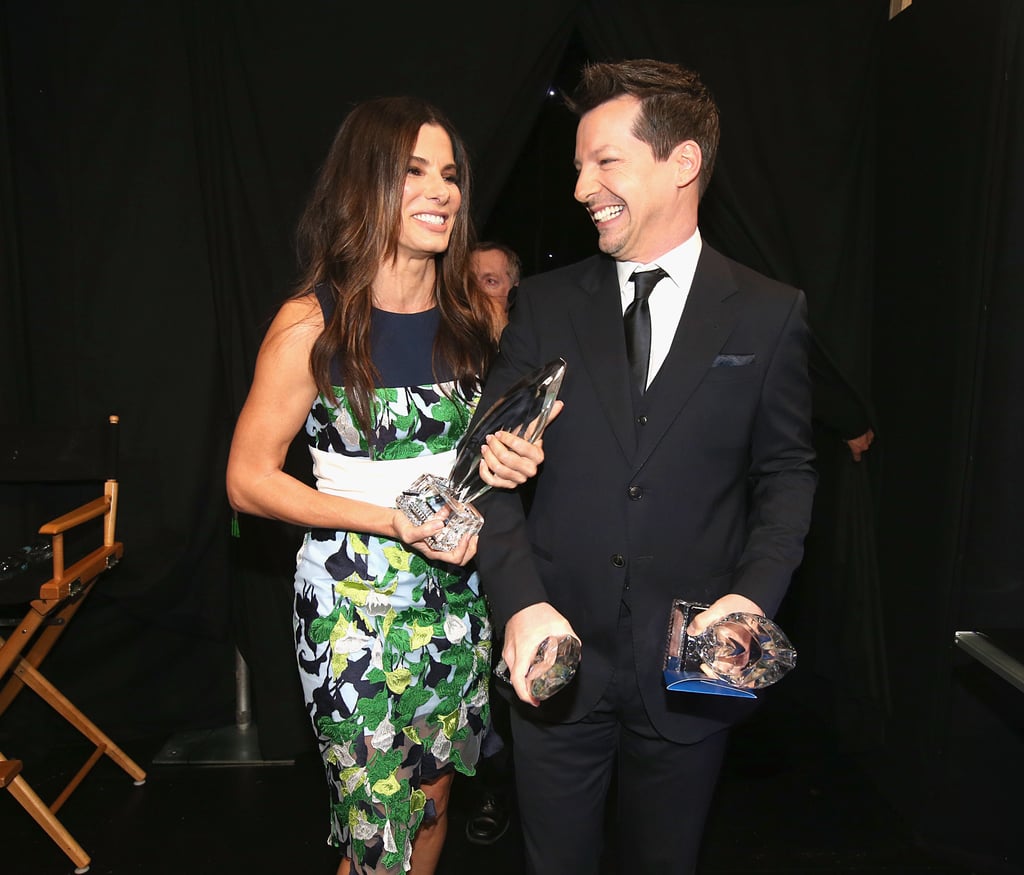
507	461
415	536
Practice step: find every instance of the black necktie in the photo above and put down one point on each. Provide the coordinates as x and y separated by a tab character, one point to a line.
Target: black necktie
637	322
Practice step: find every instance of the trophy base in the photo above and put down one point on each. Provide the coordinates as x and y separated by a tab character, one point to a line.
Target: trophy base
428	496
553	666
743	651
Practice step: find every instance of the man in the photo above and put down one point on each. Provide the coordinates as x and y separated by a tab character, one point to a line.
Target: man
686	473
495	269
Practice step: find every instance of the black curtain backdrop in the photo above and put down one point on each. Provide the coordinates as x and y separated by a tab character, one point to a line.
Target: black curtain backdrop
153	164
948	386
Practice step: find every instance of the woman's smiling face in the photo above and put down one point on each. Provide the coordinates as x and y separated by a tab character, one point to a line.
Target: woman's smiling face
431	197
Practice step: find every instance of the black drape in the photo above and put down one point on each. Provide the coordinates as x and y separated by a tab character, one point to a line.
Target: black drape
948	387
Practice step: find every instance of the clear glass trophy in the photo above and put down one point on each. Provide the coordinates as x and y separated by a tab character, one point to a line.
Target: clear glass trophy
524	411
736	655
553	666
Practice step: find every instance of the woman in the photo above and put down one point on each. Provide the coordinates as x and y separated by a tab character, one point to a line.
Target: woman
379	354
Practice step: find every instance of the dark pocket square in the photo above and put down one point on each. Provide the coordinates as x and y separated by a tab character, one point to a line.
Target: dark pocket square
732	361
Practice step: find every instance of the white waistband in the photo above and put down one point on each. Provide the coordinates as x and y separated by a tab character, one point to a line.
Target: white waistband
373	481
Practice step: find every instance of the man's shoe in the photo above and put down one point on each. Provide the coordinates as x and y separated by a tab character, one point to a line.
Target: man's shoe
488	823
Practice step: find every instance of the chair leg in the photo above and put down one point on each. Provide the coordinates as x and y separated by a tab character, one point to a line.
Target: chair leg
56	617
40	647
63	706
11	652
41	814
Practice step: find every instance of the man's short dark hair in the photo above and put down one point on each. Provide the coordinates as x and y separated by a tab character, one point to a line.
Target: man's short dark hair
675	105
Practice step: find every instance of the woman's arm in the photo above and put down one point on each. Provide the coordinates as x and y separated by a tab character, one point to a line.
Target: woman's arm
282	393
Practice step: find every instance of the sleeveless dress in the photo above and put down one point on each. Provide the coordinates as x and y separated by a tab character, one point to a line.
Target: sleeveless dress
393	650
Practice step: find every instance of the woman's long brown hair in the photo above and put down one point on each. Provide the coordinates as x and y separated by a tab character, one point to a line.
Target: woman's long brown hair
351	225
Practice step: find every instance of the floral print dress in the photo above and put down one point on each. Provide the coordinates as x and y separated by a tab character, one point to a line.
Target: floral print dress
393	650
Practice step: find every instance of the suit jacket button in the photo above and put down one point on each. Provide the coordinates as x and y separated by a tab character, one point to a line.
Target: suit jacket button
635	493
641	420
618	560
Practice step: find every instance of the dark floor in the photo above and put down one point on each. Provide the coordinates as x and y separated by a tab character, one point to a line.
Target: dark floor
788	803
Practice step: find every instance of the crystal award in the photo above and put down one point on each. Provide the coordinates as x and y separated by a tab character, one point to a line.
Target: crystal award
524	411
735	656
553	666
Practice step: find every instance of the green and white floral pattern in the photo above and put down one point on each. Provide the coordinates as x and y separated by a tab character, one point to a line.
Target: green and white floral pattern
394	651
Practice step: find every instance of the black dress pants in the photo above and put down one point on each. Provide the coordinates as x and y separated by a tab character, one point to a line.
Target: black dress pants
564	771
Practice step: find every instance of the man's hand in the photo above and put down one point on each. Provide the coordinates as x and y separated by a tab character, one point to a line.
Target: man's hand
732	603
523	635
507	461
860	445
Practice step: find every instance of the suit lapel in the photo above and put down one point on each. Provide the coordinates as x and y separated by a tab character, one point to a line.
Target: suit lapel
706	323
597	320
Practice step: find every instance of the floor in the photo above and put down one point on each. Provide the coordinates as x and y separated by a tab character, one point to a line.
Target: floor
788	803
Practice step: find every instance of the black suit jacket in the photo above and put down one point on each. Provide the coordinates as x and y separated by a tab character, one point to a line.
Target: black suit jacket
702	487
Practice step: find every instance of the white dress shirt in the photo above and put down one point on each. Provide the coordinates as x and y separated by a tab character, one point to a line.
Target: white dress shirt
668	298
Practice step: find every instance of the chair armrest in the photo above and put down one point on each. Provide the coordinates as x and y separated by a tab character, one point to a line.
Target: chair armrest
9	770
95	508
82	573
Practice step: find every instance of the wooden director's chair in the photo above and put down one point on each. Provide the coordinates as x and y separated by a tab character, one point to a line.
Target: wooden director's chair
49	580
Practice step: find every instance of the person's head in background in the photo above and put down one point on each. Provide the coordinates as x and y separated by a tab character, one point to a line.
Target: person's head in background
496	270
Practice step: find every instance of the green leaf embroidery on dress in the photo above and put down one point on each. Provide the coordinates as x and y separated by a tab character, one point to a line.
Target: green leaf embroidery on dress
398	680
338	731
396	643
405	448
422	615
383	765
398	557
445	578
451	701
420	636
373	710
321	628
339	663
353	588
462	602
353	777
418	565
357	544
388	583
478	607
461	657
406	422
389	619
455	412
460	764
417	800
388	786
392	858
407	704
449	722
441	443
